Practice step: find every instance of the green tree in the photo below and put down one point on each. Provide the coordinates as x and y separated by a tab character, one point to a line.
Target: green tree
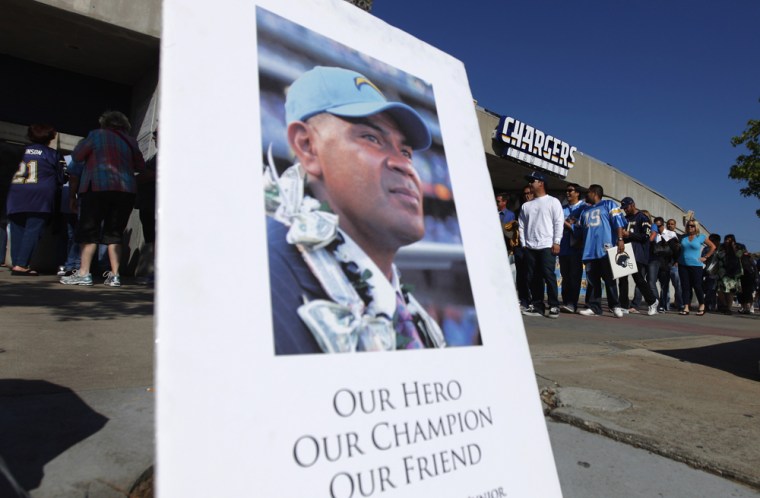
747	167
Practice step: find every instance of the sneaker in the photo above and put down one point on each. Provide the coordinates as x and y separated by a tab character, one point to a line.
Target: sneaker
587	312
660	310
531	311
632	311
554	313
66	272
619	312
567	308
77	279
111	279
652	310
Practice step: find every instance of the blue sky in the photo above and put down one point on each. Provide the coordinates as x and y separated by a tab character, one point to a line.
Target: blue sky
654	88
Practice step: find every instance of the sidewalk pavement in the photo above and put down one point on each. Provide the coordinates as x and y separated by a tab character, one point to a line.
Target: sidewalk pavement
77	399
76	377
684	387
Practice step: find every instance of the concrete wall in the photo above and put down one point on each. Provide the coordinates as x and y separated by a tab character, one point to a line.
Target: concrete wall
142	16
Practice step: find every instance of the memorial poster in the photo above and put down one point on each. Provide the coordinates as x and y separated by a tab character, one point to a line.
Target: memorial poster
335	311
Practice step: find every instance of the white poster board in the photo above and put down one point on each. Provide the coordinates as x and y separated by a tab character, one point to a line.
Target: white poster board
624	263
240	414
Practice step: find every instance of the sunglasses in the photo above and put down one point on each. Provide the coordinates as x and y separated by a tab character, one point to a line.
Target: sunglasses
691	226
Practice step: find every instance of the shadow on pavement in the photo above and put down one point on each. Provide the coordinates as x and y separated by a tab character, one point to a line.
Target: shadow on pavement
78	303
39	420
741	358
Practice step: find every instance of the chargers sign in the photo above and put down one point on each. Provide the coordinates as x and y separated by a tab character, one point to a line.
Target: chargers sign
531	145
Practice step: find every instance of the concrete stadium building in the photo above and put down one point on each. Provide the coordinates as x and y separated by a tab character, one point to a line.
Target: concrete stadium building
66	61
514	149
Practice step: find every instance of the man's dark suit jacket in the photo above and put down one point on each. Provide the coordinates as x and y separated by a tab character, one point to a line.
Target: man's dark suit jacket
290	280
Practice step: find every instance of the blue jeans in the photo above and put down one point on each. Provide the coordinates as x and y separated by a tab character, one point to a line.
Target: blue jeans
542	264
571	269
26	230
691	278
67	251
596	270
669	274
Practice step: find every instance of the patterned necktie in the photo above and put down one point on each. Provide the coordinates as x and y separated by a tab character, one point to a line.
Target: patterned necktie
404	325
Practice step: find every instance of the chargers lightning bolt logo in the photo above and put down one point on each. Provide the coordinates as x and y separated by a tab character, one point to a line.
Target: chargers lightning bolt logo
361	80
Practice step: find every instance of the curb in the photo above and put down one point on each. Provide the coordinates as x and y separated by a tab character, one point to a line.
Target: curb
590	423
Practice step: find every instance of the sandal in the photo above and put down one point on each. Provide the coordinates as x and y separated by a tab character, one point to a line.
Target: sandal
684	312
700	312
25	272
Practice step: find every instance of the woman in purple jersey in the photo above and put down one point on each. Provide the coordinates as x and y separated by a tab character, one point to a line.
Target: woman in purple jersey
31	196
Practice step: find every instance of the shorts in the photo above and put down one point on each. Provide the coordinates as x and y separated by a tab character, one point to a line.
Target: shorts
103	216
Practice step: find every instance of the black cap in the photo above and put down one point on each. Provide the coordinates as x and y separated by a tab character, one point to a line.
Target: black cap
627	201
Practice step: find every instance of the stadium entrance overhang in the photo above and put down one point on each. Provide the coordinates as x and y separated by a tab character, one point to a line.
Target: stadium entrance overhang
65	68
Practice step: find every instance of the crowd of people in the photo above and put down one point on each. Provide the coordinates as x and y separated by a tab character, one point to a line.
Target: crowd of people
89	200
579	234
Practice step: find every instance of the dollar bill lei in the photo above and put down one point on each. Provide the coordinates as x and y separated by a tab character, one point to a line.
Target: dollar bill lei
344	323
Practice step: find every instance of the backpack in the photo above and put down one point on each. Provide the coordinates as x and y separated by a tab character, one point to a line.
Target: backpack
748	265
662	249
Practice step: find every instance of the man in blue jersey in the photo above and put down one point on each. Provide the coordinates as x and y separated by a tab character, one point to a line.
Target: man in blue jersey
598	222
570	263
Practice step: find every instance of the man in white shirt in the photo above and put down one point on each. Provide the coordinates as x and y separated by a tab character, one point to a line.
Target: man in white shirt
540	225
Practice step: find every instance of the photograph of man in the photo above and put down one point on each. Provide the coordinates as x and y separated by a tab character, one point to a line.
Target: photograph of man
339	215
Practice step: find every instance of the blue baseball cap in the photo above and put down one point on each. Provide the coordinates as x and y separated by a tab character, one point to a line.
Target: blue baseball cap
535	176
349	94
627	201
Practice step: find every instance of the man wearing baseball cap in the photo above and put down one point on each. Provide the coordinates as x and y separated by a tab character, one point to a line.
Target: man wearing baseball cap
540	225
637	232
339	216
601	224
